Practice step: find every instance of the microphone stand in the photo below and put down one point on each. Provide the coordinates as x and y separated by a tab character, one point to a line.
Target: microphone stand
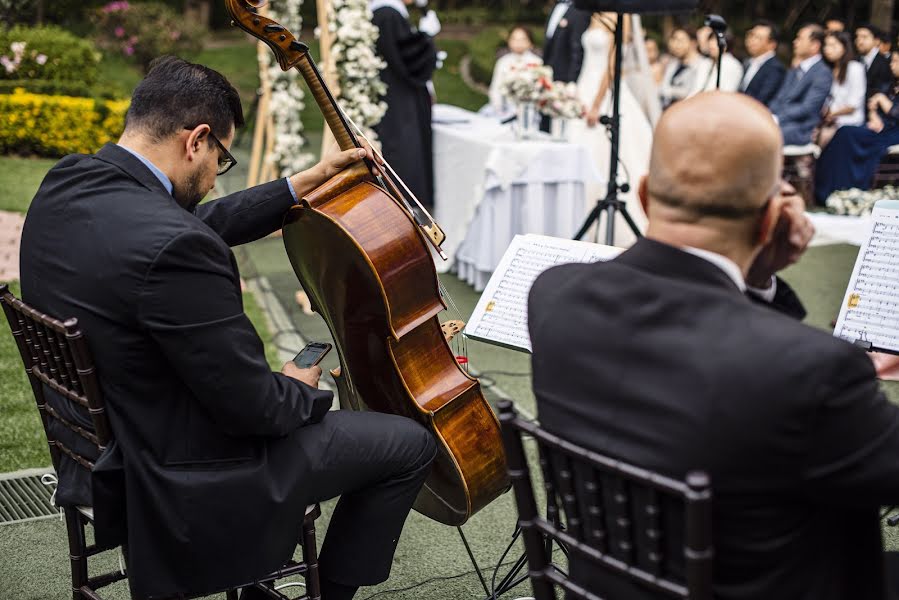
611	204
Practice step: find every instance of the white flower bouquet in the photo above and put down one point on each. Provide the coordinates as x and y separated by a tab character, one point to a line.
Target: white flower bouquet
561	101
526	84
858	203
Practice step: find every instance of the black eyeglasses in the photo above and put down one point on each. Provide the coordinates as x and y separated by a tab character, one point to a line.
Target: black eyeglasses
226	159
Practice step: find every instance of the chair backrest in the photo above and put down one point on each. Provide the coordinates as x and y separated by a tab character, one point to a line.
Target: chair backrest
610	514
56	355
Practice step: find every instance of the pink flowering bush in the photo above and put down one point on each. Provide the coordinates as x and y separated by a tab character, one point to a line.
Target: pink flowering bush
143	31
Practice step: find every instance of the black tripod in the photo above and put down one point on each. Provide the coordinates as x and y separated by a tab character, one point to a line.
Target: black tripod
611	205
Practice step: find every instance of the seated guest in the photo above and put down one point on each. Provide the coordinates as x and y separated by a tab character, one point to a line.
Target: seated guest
657	61
852	157
877	67
682	76
834	25
659	358
846	105
520	52
731	69
764	71
215	457
800	100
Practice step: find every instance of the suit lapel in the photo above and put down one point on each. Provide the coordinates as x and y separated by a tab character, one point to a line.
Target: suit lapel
127	162
667	261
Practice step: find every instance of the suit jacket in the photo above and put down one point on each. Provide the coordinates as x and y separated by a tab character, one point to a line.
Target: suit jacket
880	76
799	102
767	81
564	51
656	358
203	464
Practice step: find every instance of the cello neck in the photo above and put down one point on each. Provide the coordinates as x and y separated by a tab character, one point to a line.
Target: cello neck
343	133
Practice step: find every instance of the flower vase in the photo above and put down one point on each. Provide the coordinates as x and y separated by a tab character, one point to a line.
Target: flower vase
528	120
559	129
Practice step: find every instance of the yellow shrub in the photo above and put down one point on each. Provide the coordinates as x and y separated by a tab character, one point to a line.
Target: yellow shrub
58	125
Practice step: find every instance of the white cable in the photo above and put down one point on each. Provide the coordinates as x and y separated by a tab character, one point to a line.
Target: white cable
49	479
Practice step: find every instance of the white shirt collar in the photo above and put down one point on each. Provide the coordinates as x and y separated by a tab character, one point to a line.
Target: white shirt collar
762	58
870	56
556	17
397	5
722	262
809	62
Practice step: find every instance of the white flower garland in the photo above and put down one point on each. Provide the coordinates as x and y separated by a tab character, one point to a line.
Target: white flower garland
287	99
360	89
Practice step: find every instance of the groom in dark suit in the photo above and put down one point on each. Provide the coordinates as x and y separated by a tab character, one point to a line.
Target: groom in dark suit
216	457
563	49
805	89
763	71
877	66
660	358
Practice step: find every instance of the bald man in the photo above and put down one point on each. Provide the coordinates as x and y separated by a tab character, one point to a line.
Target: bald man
663	358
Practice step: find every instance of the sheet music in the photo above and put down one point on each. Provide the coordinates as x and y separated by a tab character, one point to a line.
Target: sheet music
870	310
501	316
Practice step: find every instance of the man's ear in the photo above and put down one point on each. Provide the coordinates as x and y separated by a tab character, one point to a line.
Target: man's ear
770	219
643	194
196	139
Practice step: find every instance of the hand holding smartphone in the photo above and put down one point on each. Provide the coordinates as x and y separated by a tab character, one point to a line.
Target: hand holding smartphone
311	355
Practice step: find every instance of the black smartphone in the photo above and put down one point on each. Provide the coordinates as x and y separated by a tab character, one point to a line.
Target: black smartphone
311	355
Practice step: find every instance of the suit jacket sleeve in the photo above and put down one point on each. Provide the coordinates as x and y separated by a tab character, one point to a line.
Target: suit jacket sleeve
191	305
771	82
249	215
785	301
411	56
812	102
853	444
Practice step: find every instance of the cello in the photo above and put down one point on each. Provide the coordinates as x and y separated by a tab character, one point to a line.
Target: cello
363	256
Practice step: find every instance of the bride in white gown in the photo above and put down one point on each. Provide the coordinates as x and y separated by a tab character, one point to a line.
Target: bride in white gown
635	141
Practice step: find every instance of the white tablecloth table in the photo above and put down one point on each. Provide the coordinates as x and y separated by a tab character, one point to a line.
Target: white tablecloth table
490	186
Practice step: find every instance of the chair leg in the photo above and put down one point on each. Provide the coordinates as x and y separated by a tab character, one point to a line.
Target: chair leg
310	557
77	551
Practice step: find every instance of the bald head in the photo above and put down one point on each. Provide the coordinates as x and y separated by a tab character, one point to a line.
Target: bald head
716	155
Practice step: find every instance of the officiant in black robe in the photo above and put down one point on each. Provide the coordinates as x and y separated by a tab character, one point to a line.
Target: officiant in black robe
405	130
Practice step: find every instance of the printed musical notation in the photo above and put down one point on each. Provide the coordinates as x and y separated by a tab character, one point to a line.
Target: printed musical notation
501	315
870	310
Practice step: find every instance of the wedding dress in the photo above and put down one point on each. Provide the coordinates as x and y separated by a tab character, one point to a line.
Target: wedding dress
635	139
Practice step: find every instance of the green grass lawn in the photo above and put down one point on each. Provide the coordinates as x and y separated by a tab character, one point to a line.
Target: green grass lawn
19	180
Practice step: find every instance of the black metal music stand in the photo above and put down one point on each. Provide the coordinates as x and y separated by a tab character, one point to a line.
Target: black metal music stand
611	205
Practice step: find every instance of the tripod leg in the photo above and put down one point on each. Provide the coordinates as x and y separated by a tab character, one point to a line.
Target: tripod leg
630	222
474	562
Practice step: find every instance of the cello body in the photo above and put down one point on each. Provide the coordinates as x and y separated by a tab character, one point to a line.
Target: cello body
365	263
369	273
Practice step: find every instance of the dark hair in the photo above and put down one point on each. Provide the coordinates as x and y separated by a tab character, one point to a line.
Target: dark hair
775	31
815	31
876	31
691	33
842	65
527	31
176	94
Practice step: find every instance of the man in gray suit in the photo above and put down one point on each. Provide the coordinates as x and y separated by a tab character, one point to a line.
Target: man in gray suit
797	106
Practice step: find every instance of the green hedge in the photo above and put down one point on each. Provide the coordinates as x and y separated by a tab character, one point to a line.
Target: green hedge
68	58
53	126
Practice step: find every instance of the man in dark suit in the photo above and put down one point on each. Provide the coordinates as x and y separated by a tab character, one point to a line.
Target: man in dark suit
764	73
660	359
797	105
877	66
563	49
216	457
